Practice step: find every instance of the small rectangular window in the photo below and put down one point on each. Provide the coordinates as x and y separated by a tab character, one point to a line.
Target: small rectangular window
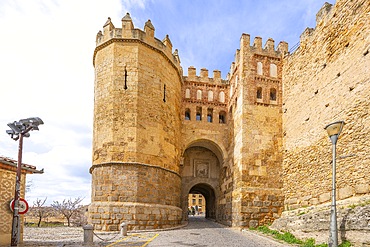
187	114
210	115
199	114
273	94
259	93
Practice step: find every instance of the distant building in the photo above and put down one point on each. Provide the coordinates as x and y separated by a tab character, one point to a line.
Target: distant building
8	168
198	202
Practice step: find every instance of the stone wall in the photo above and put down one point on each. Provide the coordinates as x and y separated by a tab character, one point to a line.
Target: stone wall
143	196
353	215
7	188
326	80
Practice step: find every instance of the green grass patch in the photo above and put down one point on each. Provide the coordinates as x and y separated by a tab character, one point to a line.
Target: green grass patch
291	239
345	244
286	236
362	204
365	203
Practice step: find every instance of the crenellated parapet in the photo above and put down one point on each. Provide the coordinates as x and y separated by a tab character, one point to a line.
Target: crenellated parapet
306	35
323	14
259	68
268	50
203	76
128	33
322	17
205	90
204	98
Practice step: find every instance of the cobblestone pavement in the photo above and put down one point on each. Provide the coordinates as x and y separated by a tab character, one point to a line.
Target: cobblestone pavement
203	233
198	233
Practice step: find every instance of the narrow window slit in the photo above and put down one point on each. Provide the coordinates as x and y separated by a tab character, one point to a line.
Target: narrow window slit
125	78
164	93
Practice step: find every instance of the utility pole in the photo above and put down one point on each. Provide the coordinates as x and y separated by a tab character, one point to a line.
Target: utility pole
19	130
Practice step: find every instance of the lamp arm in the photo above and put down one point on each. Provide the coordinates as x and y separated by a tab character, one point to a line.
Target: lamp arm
27	130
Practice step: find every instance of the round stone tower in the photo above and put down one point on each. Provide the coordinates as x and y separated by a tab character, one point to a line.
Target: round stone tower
135	170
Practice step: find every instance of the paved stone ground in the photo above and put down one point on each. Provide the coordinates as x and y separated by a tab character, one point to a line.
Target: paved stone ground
203	233
198	233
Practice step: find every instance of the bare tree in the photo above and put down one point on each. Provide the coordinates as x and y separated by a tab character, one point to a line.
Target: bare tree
39	211
68	208
80	218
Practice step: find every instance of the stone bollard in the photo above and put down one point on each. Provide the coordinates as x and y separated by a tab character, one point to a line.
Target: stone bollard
123	229
88	234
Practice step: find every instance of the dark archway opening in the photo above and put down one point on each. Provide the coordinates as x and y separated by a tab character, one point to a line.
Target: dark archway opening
209	194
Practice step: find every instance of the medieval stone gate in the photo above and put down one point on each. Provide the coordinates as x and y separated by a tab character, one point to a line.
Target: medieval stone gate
159	135
200	172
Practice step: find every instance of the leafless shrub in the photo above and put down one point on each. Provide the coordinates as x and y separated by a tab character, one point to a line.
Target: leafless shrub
68	208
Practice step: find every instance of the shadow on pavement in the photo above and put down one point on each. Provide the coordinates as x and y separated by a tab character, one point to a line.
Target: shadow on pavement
200	222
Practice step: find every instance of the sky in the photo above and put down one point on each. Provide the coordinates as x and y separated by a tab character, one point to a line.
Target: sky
46	69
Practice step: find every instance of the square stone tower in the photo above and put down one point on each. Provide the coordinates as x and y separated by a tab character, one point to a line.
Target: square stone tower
255	149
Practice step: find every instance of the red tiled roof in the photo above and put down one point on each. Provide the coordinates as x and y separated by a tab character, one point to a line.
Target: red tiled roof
13	164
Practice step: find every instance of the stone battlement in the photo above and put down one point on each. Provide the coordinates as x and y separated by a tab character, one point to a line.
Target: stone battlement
128	32
203	77
256	48
267	49
323	13
322	17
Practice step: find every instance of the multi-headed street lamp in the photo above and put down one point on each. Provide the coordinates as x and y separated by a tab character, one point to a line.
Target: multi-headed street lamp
334	130
17	131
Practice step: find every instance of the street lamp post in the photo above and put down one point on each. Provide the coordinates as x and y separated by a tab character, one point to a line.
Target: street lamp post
19	130
334	130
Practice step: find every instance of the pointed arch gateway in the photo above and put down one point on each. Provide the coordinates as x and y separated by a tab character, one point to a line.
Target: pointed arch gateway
200	174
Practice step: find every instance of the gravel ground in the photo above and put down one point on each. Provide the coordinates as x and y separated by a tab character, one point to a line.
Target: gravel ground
63	236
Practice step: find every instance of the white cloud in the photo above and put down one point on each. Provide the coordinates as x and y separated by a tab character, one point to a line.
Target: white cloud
47	71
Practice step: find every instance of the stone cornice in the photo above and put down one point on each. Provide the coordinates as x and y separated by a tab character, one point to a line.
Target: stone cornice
276	58
203	102
267	79
117	163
